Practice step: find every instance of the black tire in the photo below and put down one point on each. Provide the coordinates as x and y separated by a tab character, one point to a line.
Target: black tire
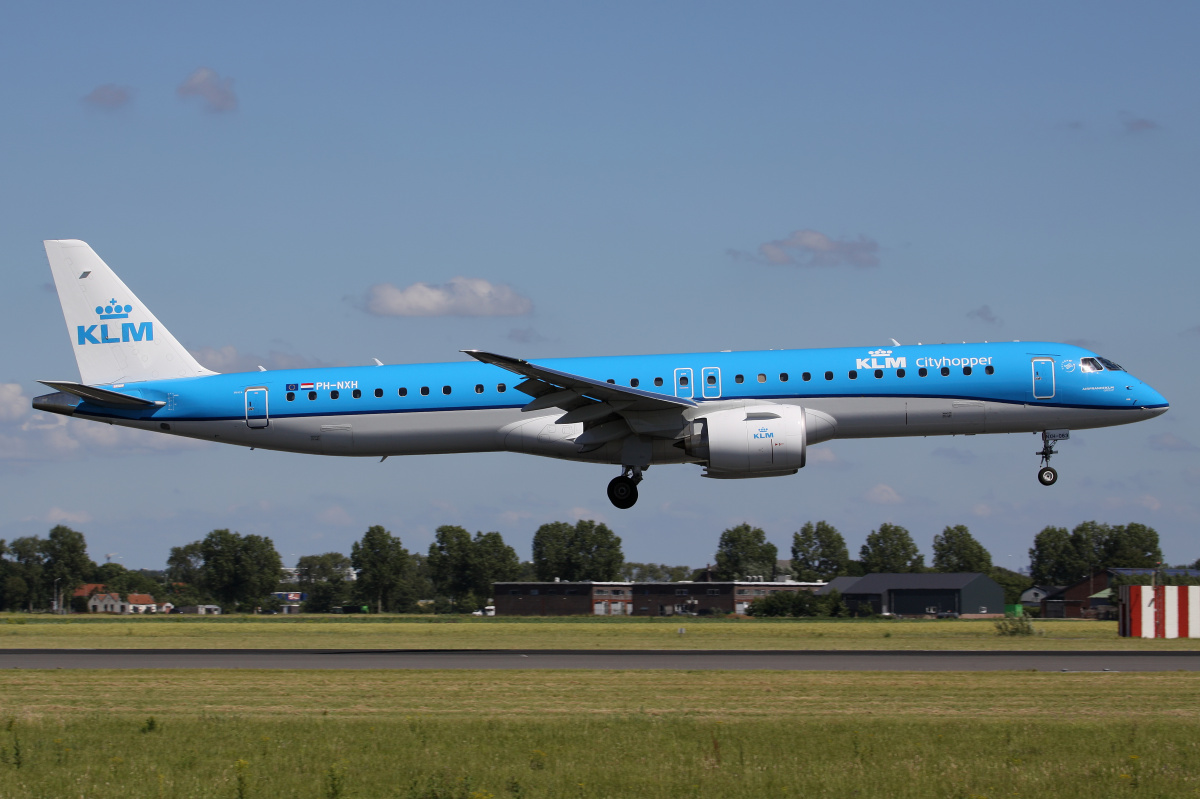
1047	476
622	492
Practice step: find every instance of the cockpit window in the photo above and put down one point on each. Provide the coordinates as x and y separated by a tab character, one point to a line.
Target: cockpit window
1090	365
1116	367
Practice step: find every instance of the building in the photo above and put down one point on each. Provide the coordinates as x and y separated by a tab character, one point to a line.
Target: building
970	595
634	599
1091	597
133	603
1032	597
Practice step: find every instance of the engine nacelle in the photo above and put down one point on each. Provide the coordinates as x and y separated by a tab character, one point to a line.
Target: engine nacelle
755	441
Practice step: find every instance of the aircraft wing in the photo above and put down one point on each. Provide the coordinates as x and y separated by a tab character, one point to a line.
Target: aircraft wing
551	388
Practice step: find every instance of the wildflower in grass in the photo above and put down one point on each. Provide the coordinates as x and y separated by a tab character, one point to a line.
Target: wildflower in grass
537	760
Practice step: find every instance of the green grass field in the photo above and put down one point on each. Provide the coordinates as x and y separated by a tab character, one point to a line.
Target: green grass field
481	735
455	632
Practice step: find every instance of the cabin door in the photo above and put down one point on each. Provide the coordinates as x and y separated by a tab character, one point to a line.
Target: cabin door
1043	378
256	407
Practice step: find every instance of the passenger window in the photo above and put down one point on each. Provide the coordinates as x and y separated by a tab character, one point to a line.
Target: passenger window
878	373
853	374
403	392
501	387
635	382
990	370
312	395
291	395
899	373
357	393
683	381
923	372
966	370
334	395
739	379
446	390
424	391
945	371
378	392
806	376
762	378
658	381
783	377
829	375
610	380
712	380
479	388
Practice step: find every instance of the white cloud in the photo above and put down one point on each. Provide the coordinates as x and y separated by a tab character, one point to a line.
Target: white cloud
216	92
1148	502
109	97
821	455
982	509
336	515
228	359
883	494
57	515
462	296
51	437
13	402
812	248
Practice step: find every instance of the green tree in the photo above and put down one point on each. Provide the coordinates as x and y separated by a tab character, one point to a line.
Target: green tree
1013	583
65	561
28	564
185	564
786	603
891	550
1052	557
654	572
328	567
1131	546
818	553
744	551
380	560
956	550
493	561
451	563
583	551
239	570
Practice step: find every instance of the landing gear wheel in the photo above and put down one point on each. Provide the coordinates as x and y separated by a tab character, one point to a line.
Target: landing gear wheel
1046	476
623	492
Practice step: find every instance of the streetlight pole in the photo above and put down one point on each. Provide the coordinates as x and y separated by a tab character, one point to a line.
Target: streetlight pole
57	598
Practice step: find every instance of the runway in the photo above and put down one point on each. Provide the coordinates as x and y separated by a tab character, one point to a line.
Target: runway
507	659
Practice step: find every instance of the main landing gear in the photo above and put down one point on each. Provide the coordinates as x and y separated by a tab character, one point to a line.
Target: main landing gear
622	491
1047	476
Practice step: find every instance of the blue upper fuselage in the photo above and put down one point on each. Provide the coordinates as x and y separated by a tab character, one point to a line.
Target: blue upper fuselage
1037	373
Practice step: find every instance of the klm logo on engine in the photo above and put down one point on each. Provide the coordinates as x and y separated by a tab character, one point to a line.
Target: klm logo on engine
873	362
102	334
763	433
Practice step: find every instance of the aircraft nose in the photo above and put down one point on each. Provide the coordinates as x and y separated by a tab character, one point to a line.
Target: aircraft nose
1153	402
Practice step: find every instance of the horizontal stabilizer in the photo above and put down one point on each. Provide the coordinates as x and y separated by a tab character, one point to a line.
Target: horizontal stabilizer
102	396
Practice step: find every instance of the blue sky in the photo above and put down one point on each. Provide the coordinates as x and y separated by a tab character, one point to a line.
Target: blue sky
256	172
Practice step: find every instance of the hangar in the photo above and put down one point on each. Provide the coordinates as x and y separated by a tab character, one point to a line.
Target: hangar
971	595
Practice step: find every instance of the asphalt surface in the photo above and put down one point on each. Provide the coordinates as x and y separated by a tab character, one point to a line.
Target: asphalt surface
842	660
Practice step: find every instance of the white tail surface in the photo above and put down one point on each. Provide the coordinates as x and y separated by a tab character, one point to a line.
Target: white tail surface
114	336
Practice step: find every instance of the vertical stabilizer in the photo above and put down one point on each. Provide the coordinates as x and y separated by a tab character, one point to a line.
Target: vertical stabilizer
114	336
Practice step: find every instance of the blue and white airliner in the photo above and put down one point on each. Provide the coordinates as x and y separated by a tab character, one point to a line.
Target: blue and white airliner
736	414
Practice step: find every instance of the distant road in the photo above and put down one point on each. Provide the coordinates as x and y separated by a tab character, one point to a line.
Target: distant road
603	659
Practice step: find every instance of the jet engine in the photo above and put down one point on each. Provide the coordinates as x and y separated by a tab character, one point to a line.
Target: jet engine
756	441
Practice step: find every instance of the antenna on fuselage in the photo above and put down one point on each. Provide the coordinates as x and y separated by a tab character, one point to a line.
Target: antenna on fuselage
896	343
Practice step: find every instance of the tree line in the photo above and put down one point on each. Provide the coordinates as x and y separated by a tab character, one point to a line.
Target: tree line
241	572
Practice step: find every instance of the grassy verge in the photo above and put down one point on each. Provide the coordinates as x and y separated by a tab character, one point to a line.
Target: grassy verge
374	632
481	735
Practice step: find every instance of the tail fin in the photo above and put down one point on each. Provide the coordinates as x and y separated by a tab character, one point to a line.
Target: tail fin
115	337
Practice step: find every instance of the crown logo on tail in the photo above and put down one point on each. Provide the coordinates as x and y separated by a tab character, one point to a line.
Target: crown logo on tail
114	310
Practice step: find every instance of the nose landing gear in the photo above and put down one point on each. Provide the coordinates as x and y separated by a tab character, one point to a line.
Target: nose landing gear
1047	475
622	491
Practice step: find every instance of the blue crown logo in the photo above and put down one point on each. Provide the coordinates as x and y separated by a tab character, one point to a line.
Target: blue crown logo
114	310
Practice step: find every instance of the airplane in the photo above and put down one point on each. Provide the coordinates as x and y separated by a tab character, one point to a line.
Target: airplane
736	414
